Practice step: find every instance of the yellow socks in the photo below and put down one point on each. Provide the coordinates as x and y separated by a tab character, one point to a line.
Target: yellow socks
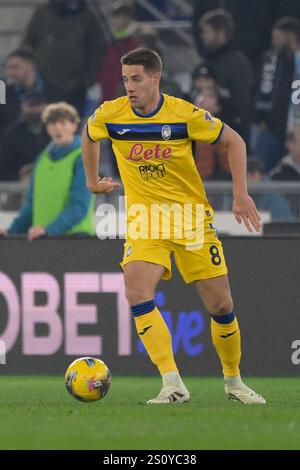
157	339
226	338
155	336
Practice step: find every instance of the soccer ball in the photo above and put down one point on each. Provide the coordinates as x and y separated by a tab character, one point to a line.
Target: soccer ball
88	379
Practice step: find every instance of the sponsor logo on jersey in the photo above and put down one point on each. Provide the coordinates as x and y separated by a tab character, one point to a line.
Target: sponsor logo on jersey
152	171
123	131
139	152
166	132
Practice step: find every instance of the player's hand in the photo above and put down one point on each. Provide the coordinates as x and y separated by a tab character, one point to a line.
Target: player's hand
103	185
3	232
35	232
244	210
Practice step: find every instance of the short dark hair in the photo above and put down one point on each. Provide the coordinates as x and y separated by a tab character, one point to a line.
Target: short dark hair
148	58
219	20
25	53
288	24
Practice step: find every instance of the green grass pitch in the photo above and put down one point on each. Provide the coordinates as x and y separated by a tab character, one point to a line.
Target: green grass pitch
38	413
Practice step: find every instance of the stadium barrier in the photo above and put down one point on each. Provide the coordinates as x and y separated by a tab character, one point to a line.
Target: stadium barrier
64	298
218	192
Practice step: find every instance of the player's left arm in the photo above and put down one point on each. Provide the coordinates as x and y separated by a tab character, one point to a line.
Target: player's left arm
244	208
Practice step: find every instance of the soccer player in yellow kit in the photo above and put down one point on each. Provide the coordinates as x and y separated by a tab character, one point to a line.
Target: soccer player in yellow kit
152	136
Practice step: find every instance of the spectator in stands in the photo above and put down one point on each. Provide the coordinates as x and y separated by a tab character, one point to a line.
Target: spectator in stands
288	169
231	68
124	29
22	77
274	203
58	201
253	20
69	43
211	160
275	112
202	80
21	141
127	35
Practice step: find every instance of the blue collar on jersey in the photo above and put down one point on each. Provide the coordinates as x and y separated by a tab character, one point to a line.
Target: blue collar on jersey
160	103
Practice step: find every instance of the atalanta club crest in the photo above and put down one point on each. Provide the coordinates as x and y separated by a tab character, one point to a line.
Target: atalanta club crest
166	132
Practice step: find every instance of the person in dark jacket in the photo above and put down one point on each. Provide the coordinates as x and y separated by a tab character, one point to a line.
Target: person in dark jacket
288	169
253	20
22	78
22	140
275	114
274	202
231	68
69	43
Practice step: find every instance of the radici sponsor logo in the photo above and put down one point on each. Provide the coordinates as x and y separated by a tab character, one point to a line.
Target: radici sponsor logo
152	171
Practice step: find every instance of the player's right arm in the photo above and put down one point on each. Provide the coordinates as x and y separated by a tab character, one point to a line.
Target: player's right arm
205	128
93	132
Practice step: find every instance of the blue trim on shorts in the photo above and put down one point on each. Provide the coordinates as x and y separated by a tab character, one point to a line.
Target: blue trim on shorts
141	309
224	319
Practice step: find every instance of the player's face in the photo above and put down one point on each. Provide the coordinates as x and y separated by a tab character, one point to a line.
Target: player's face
62	132
141	87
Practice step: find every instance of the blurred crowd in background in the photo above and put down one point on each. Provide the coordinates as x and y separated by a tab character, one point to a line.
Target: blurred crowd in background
246	72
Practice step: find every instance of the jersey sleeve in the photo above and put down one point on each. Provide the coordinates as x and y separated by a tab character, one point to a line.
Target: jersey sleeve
204	127
96	126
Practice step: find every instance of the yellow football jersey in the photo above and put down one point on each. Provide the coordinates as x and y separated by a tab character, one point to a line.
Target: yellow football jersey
154	151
